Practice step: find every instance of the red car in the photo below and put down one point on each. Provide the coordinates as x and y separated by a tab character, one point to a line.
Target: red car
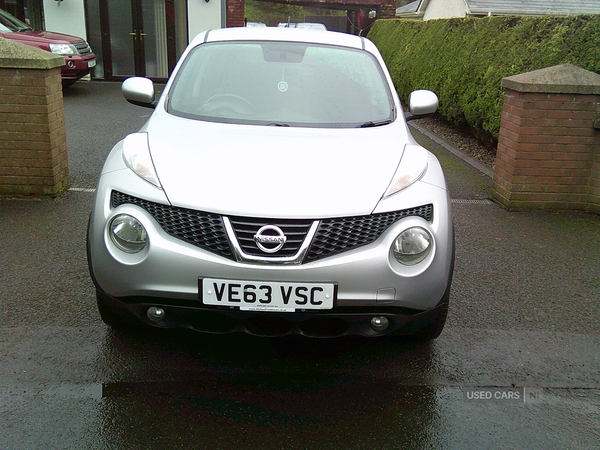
79	58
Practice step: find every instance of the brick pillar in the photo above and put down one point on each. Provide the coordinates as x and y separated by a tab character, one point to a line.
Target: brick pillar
236	13
594	192
549	142
387	10
33	144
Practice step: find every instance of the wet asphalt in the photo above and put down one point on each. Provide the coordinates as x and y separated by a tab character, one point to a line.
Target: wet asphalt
523	328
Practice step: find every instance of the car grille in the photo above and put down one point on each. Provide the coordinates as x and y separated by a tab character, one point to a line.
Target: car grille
294	230
83	48
201	229
333	236
345	233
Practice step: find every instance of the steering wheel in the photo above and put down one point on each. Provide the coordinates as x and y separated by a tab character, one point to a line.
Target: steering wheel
227	103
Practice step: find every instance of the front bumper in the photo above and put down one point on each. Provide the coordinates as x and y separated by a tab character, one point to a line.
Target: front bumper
77	67
329	324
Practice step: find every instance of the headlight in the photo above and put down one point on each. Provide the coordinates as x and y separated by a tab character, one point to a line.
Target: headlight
127	233
136	154
63	49
412	167
412	246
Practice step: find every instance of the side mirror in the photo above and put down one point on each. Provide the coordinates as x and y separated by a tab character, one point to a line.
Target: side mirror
421	103
139	91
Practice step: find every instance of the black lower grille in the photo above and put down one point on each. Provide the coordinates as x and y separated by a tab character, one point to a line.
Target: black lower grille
204	230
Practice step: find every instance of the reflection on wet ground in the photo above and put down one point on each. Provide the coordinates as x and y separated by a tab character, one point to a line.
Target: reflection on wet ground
279	393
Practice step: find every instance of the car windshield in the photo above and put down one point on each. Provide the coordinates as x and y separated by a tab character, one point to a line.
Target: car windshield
10	24
281	84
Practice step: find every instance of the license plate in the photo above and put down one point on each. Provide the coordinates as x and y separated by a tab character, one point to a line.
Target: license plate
267	296
91	63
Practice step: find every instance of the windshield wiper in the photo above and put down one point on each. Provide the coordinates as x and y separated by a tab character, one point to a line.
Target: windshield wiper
375	124
278	124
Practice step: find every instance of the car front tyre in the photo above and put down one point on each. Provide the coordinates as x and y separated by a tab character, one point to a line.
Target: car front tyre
434	328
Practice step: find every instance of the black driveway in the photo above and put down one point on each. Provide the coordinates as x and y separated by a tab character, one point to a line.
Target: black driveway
524	328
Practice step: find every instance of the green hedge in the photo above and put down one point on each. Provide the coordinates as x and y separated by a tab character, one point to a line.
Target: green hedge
464	60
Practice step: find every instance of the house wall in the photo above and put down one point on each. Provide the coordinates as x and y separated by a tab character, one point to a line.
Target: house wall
204	16
68	16
65	17
444	9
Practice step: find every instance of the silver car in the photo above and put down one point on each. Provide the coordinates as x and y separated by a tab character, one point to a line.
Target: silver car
275	190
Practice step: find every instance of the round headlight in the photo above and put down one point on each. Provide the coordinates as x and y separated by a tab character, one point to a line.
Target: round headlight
412	246
128	234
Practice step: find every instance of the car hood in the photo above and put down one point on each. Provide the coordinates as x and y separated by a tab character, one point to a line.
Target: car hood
41	37
264	171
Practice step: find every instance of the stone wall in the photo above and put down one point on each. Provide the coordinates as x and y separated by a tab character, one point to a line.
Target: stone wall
549	144
33	144
594	190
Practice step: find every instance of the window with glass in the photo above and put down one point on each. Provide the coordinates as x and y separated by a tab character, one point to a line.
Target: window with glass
280	83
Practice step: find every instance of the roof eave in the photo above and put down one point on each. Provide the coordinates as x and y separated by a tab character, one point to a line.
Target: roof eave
412	16
422	7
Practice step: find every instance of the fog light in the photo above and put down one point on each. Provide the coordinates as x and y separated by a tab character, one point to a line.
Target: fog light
155	314
380	323
412	246
128	234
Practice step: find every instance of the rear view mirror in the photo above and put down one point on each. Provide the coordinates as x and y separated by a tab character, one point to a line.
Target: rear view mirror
421	103
139	91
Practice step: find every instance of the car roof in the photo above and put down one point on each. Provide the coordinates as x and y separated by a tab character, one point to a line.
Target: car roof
281	34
